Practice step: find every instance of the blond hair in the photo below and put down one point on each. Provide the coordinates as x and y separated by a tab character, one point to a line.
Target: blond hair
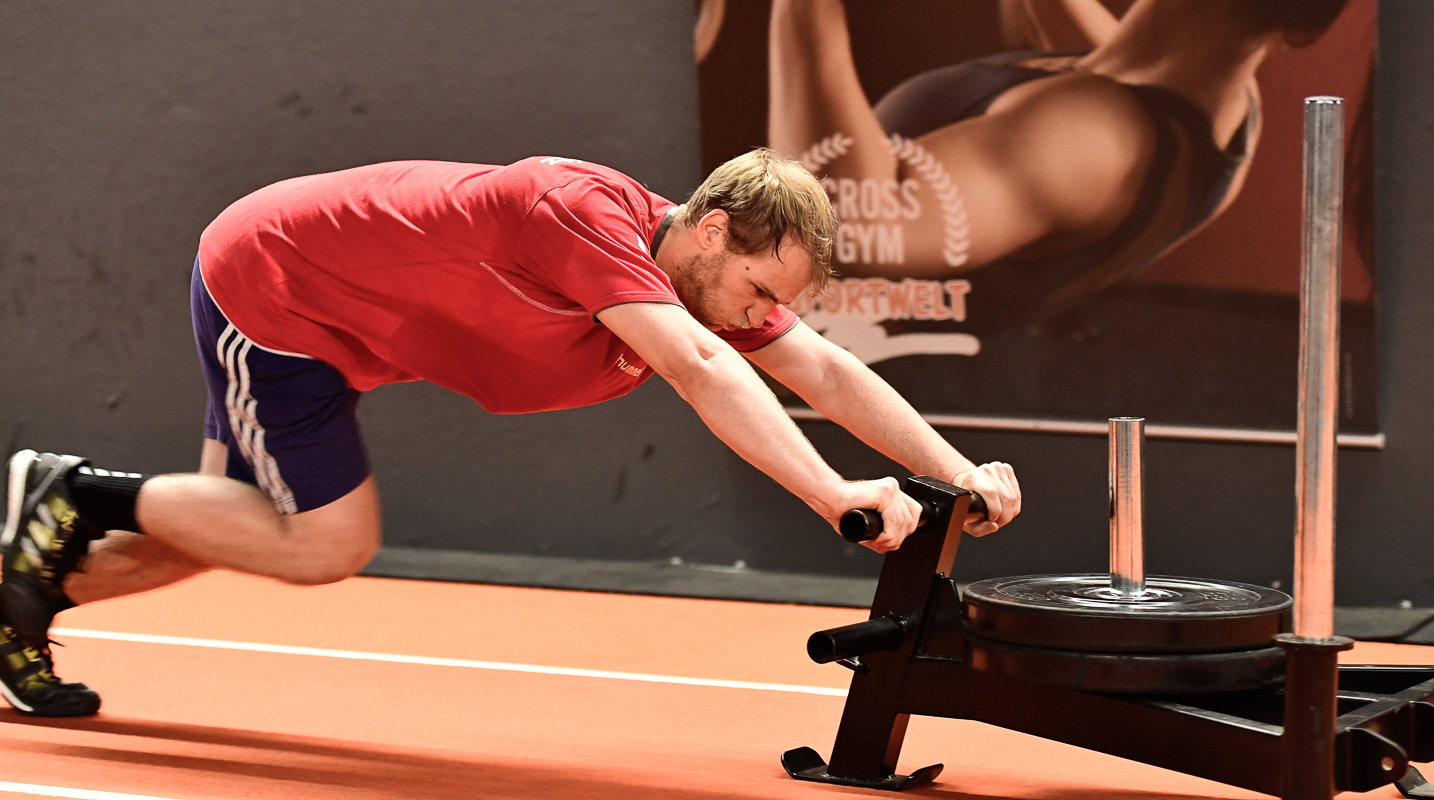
768	197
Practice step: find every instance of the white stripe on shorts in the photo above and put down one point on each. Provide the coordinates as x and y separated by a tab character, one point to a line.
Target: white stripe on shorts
233	349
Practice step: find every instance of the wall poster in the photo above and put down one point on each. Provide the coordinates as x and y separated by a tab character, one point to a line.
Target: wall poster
1058	211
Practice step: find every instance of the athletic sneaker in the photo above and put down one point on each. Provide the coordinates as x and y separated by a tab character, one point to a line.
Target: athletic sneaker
28	682
43	540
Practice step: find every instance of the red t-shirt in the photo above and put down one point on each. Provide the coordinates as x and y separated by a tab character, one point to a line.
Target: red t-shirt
483	279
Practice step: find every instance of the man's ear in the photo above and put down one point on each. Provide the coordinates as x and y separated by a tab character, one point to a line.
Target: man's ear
712	228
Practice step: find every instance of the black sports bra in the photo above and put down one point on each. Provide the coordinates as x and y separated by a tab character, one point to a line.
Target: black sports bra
1028	288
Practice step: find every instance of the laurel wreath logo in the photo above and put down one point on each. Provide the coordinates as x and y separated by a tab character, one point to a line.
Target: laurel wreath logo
957	241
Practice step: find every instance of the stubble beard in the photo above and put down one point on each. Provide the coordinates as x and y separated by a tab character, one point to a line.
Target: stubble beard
696	286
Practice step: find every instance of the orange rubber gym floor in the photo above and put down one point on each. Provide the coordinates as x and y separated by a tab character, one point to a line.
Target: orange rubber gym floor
236	687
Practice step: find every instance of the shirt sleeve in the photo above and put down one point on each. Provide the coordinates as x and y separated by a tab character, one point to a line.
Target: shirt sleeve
588	241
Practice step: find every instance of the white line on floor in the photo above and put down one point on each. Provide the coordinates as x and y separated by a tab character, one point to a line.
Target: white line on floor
73	794
185	641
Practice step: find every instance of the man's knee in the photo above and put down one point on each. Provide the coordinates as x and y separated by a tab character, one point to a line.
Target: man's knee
329	564
332	542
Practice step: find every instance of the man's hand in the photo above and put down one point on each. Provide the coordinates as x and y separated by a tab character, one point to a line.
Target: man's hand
996	483
899	513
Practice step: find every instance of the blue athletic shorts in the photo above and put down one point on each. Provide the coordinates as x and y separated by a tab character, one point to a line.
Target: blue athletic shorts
289	421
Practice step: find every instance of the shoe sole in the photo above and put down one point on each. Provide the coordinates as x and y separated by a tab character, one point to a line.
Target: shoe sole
19	705
29	710
15	498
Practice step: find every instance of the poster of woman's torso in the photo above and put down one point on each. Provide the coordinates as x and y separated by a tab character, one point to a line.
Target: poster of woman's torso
1063	210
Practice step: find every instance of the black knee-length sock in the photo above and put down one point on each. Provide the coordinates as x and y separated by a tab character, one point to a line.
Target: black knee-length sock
106	498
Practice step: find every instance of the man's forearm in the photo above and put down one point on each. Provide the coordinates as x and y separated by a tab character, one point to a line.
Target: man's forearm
739	408
846	391
860	401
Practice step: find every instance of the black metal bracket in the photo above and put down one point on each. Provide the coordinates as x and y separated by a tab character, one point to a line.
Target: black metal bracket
805	764
1414	785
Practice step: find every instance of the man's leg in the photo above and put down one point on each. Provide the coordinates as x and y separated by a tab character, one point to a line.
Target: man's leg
293	425
186	524
224	523
125	563
191	523
27	676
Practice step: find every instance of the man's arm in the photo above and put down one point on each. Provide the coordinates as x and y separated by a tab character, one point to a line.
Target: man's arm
841	388
739	408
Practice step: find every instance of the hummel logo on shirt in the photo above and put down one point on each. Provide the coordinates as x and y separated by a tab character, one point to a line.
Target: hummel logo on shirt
635	372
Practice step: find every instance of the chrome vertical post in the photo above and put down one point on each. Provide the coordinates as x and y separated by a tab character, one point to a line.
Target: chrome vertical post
1127	513
1319	367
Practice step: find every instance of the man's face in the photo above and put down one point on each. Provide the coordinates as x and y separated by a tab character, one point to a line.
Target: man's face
724	290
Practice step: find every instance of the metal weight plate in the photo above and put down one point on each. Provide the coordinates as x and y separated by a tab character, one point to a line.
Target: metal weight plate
1082	613
1129	673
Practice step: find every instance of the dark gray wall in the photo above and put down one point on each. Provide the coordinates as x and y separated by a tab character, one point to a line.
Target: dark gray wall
126	128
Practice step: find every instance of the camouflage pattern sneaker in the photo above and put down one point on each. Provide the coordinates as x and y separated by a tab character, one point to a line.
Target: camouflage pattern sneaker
43	541
28	682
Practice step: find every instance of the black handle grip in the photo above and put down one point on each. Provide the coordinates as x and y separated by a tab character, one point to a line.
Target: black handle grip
849	641
864	524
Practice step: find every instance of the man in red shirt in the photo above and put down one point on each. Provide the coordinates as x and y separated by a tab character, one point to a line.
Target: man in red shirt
545	284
